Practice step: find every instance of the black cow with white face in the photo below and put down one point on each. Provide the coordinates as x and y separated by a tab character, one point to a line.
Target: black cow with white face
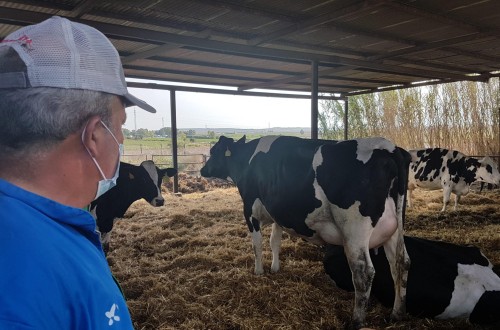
445	280
134	182
349	193
450	170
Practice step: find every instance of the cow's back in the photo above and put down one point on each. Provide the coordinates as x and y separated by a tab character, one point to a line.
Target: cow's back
364	171
429	168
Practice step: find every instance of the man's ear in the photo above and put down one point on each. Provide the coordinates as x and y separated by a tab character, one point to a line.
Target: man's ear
92	134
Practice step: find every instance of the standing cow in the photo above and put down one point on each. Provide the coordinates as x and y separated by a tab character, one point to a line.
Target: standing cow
452	171
134	182
445	280
348	193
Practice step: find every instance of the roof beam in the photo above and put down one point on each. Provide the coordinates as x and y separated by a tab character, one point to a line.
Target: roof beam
427	46
375	90
345	12
230	48
149	53
85	6
82	8
46	4
226	91
243	8
442	18
175	61
160	49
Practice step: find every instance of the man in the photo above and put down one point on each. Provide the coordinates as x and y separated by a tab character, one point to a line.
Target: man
62	99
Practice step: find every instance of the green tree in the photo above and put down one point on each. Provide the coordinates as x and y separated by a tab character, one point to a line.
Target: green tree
142	133
182	140
330	120
127	133
164	131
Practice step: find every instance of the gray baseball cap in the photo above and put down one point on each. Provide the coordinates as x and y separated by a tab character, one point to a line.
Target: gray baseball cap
64	54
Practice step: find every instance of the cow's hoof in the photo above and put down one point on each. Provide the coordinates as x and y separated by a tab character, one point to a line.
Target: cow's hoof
398	316
259	272
354	325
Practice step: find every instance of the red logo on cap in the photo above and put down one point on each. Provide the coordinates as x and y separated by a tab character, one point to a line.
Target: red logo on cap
23	40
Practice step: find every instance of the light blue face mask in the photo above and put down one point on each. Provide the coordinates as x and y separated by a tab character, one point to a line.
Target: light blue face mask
106	184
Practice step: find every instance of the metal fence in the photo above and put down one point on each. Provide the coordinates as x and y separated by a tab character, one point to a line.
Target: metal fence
188	163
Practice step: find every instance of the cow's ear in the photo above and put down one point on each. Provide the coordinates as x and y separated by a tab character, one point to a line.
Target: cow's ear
170	172
131	176
242	140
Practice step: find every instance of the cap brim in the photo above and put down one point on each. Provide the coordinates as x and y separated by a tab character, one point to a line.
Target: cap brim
132	100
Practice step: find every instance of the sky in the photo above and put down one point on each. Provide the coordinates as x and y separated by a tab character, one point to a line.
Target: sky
203	110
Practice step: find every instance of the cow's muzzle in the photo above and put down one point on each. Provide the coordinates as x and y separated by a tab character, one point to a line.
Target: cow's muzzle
158	202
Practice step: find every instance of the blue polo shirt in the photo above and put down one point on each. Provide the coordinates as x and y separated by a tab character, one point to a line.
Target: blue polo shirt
53	273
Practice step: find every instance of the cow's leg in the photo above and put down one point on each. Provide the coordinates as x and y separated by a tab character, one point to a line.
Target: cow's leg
105	239
275	242
254	227
446	197
457	199
257	250
363	273
356	233
399	263
409	195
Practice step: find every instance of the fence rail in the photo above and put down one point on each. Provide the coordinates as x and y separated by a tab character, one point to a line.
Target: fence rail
189	163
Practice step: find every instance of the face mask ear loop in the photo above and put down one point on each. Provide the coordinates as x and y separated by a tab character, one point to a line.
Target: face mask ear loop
106	127
88	151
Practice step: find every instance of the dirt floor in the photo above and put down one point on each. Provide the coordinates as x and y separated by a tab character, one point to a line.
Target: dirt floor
189	264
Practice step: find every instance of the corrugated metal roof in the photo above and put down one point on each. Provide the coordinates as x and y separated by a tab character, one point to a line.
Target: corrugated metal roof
360	46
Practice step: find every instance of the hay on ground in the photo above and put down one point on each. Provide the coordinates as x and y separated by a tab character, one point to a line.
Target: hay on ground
189	265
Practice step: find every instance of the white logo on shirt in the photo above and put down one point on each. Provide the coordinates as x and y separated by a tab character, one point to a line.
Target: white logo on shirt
111	315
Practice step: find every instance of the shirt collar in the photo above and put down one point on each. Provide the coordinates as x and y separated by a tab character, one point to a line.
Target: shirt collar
61	213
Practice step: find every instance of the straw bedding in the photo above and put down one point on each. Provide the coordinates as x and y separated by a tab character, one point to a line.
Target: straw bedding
189	264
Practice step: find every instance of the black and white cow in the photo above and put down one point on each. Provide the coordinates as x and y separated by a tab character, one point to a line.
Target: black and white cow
349	193
445	280
134	182
452	171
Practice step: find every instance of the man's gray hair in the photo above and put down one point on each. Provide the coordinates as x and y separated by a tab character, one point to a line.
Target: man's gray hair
34	119
42	117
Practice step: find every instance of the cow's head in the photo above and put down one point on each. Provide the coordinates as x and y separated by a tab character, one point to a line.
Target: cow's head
488	171
148	179
220	156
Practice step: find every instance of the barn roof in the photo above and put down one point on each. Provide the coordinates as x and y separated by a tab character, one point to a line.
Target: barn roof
358	46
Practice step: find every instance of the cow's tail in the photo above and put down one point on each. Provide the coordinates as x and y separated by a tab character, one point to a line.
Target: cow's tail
402	260
403	159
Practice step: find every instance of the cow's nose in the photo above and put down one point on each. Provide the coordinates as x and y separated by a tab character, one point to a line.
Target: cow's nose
158	202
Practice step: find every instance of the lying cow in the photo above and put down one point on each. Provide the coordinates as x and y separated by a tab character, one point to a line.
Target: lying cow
444	281
450	170
348	193
134	183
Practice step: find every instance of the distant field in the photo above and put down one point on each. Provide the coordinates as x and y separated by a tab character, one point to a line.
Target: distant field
132	145
191	151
